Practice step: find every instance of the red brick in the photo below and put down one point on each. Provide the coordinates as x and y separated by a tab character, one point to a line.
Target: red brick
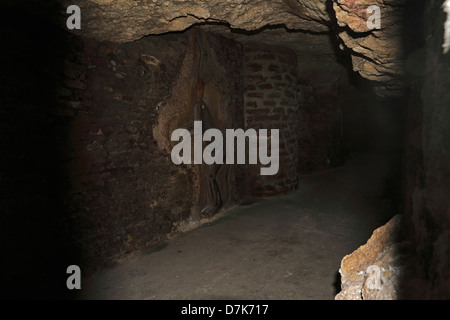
255	94
280	84
279	110
289	94
271	103
255	79
253	67
265	86
274	68
274	95
264	56
257	111
277	77
252	104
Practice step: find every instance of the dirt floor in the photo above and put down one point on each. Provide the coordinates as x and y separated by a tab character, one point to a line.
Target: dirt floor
288	247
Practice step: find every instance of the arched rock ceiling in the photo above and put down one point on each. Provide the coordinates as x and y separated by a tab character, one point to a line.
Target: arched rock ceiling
126	20
376	54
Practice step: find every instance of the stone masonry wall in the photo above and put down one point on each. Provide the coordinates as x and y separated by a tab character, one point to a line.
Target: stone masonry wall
125	194
132	195
82	178
271	103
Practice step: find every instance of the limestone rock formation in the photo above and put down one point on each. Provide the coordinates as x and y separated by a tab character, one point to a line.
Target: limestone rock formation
127	20
377	53
374	271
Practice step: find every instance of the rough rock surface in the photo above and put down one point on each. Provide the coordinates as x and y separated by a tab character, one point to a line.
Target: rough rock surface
374	270
377	54
127	20
428	186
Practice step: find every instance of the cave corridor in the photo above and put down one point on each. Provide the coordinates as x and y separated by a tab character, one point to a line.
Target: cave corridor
118	154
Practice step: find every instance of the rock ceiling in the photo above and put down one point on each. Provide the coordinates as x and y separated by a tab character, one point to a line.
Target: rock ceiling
376	54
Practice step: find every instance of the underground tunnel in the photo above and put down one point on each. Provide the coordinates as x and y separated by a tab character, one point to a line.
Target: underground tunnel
345	101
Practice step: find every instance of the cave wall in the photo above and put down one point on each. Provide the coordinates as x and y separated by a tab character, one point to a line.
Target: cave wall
329	111
126	192
377	54
214	64
82	168
321	128
414	247
428	156
122	192
83	178
35	222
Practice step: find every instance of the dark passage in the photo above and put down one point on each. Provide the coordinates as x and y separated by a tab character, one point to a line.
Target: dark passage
292	249
87	176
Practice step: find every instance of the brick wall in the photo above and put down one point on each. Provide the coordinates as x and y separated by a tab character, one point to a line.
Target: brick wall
271	103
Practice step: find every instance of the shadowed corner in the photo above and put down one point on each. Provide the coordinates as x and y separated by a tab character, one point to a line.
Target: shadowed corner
84	181
337	283
36	229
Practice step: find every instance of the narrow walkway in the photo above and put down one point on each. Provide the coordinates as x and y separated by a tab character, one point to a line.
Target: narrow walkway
288	247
